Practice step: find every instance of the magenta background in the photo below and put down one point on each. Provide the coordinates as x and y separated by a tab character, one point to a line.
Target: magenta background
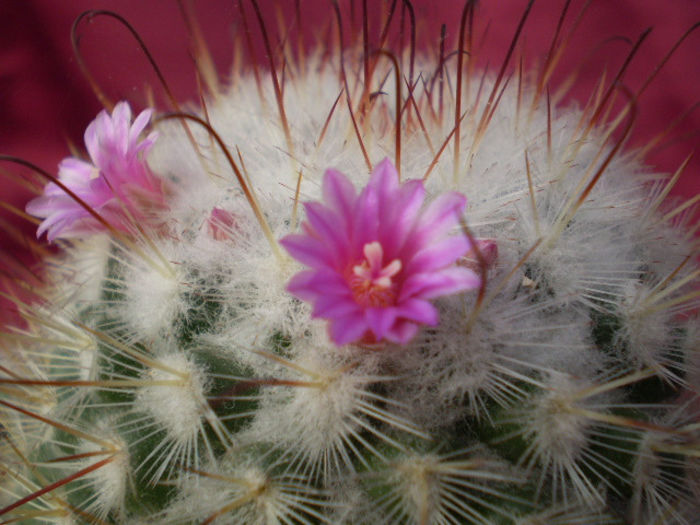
45	102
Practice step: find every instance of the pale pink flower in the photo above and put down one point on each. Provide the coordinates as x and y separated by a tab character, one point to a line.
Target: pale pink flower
117	184
376	259
220	224
488	251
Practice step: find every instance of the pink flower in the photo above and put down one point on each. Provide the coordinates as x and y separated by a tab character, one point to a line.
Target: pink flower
376	259
220	224
488	250
118	184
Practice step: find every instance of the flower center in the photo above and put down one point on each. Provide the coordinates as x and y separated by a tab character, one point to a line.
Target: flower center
370	282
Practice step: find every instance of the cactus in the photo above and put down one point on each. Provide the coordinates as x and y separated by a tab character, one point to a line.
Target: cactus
179	363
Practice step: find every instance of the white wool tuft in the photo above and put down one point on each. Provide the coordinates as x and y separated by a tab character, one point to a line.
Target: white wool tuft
317	416
111	480
176	399
152	298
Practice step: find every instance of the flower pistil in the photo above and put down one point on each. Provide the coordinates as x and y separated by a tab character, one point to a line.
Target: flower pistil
372	285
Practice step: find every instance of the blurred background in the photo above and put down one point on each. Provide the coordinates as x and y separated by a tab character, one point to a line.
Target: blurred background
46	103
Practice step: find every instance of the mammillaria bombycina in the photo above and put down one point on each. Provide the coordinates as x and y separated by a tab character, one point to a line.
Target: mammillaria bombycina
529	356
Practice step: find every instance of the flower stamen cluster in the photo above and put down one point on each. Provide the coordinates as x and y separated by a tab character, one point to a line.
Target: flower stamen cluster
371	284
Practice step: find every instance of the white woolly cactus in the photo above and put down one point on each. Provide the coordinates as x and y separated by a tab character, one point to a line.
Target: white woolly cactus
485	312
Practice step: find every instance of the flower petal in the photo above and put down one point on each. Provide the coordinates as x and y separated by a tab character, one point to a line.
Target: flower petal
384	181
438	255
75	172
138	126
441	215
445	282
402	332
92	136
307	250
380	320
418	311
330	228
299	287
366	220
348	329
402	220
339	194
333	307
56	223
121	119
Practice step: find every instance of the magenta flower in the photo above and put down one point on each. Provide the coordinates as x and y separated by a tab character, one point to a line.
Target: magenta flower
118	184
375	259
